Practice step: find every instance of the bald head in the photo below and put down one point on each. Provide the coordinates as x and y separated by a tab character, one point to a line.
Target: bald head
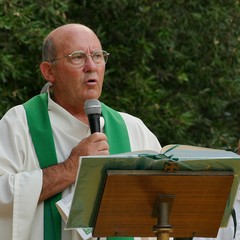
64	37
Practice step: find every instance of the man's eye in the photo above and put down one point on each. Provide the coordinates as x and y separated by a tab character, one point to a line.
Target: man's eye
78	57
97	56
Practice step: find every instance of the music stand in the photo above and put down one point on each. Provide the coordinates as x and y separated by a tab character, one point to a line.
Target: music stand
149	203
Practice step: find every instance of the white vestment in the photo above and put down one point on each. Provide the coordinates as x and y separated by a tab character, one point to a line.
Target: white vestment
21	217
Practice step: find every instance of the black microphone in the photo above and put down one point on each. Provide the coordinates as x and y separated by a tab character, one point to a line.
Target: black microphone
93	110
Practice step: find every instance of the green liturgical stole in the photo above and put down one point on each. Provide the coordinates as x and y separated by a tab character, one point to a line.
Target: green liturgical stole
116	131
42	137
41	133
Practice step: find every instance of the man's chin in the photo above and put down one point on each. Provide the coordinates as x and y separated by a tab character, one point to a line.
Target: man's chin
93	94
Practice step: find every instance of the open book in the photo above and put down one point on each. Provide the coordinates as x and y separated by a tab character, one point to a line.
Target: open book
184	152
92	172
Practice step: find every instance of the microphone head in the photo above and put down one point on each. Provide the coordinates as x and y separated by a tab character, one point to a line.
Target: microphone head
92	106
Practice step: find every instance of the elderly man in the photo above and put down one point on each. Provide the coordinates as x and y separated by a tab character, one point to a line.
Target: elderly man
44	137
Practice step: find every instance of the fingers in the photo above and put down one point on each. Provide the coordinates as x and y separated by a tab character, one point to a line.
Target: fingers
97	136
98	144
95	144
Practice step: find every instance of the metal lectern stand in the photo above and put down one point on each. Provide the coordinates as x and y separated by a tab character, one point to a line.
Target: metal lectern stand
155	203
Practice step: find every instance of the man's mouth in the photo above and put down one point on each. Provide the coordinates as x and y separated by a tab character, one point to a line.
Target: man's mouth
91	81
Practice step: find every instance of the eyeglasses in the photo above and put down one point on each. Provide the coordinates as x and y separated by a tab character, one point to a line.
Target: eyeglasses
79	58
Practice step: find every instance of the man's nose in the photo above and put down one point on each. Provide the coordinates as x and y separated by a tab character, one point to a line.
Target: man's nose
89	65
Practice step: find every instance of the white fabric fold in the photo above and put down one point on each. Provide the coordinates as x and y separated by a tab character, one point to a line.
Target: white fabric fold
25	202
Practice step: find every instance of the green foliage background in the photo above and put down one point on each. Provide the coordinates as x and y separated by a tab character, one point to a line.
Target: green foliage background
174	64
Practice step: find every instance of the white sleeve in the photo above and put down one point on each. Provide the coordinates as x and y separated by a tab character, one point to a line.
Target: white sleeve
20	176
141	138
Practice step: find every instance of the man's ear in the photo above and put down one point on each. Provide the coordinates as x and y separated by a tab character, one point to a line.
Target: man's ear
46	70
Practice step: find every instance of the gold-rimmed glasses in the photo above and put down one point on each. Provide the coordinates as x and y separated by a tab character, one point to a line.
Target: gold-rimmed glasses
79	58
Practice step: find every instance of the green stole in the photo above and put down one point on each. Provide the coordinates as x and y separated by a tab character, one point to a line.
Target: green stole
42	137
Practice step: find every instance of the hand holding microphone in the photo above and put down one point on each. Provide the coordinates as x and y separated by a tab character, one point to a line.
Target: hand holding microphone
98	141
95	144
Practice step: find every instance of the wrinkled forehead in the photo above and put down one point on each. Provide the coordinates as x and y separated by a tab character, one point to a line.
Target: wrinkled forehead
74	37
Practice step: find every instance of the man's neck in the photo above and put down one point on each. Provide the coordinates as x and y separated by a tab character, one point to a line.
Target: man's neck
77	111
